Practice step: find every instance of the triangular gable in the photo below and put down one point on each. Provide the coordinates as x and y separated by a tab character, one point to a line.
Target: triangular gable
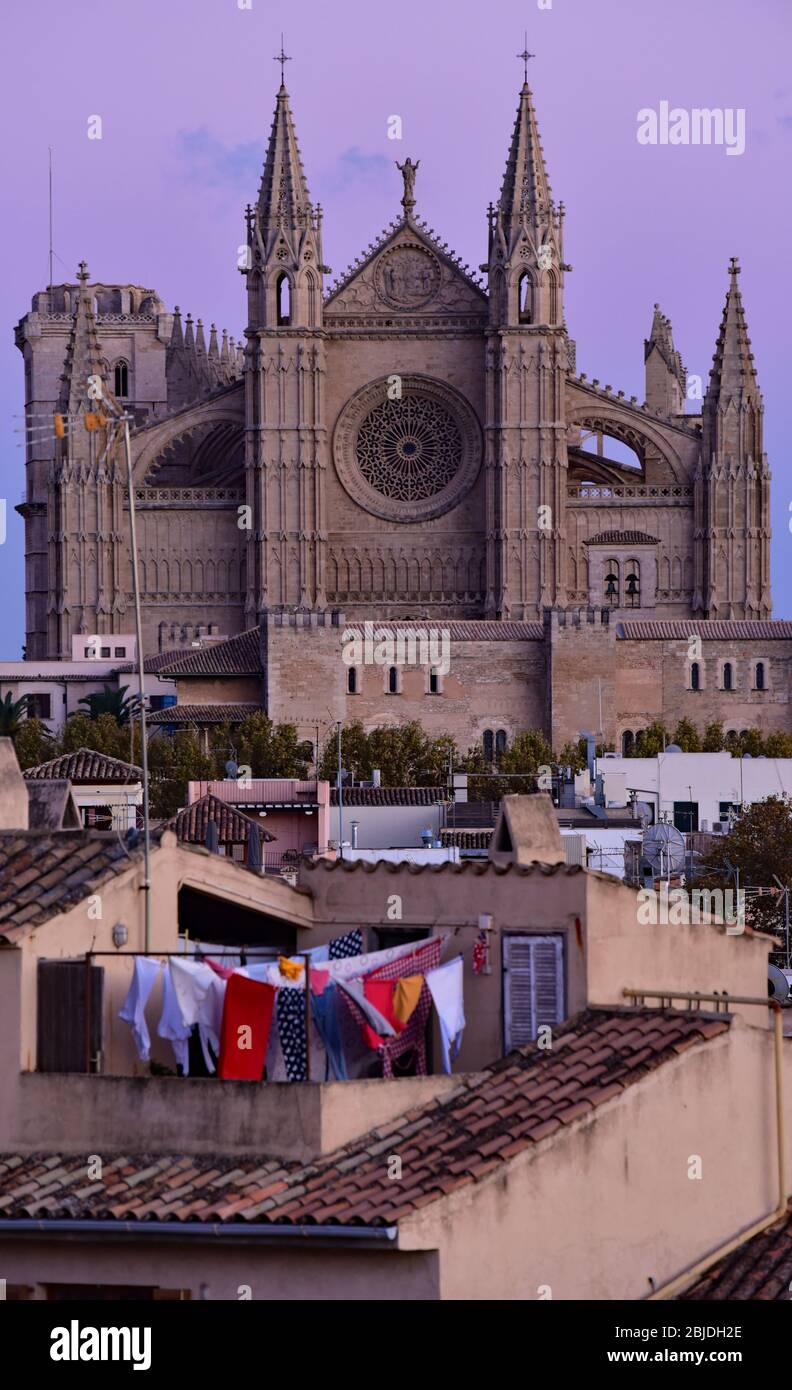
406	272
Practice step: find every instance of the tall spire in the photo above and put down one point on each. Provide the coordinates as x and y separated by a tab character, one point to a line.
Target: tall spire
526	189
526	232
83	356
733	374
283	199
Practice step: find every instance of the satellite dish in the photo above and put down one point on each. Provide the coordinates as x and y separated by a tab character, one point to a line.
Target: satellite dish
778	984
231	768
664	850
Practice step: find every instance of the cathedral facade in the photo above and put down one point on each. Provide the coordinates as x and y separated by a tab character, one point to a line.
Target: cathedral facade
409	444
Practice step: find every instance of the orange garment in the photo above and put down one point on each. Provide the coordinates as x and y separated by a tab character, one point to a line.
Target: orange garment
405	998
290	969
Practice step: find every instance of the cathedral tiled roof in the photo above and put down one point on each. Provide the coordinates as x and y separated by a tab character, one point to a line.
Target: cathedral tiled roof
476	630
203	714
713	630
238	656
622	538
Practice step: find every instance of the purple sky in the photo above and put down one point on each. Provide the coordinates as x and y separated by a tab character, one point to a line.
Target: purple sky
186	88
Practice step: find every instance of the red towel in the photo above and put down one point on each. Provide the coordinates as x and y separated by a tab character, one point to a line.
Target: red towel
380	994
244	1035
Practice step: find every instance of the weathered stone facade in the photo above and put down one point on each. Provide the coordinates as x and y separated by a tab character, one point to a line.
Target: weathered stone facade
413	444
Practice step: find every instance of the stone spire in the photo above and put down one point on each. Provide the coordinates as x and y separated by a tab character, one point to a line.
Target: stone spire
283	200
525	195
732	486
284	265
666	378
526	233
733	376
83	357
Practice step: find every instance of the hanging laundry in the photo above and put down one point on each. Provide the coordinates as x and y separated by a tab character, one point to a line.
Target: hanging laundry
480	953
349	945
224	971
406	994
245	1030
378	1025
414	959
200	992
290	969
445	986
290	1011
320	979
132	1011
324	1008
380	994
172	1026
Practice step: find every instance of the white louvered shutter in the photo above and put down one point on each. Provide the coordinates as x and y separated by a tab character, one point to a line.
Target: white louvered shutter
533	987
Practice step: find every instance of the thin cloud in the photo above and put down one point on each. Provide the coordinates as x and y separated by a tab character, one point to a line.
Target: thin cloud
207	161
355	168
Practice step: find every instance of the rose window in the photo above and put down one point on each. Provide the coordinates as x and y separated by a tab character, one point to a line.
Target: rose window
409	449
408	459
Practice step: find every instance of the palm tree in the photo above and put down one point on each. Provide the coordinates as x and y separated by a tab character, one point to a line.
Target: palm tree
110	701
12	712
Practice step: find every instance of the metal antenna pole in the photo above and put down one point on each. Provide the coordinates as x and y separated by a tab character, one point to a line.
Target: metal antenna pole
50	285
142	701
340	799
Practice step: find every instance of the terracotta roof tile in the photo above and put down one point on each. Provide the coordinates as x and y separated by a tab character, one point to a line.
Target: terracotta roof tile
390	796
622	538
233	827
203	714
760	1269
237	656
43	873
457	1139
85	765
711	630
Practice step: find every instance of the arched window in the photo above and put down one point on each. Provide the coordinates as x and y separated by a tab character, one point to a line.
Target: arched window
311	286
525	298
695	676
352	681
759	676
488	743
121	380
393	680
283	296
500	741
628	739
728	676
632	585
612	582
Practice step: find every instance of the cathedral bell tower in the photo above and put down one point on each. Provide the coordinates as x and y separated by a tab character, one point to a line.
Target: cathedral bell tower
286	446
527	362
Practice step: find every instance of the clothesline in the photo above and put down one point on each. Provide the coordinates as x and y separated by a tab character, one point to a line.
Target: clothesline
388	993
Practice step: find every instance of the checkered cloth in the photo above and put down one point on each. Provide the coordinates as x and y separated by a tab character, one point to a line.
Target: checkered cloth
349	945
425	957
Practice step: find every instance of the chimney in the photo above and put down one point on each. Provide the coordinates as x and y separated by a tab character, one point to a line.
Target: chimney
13	790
